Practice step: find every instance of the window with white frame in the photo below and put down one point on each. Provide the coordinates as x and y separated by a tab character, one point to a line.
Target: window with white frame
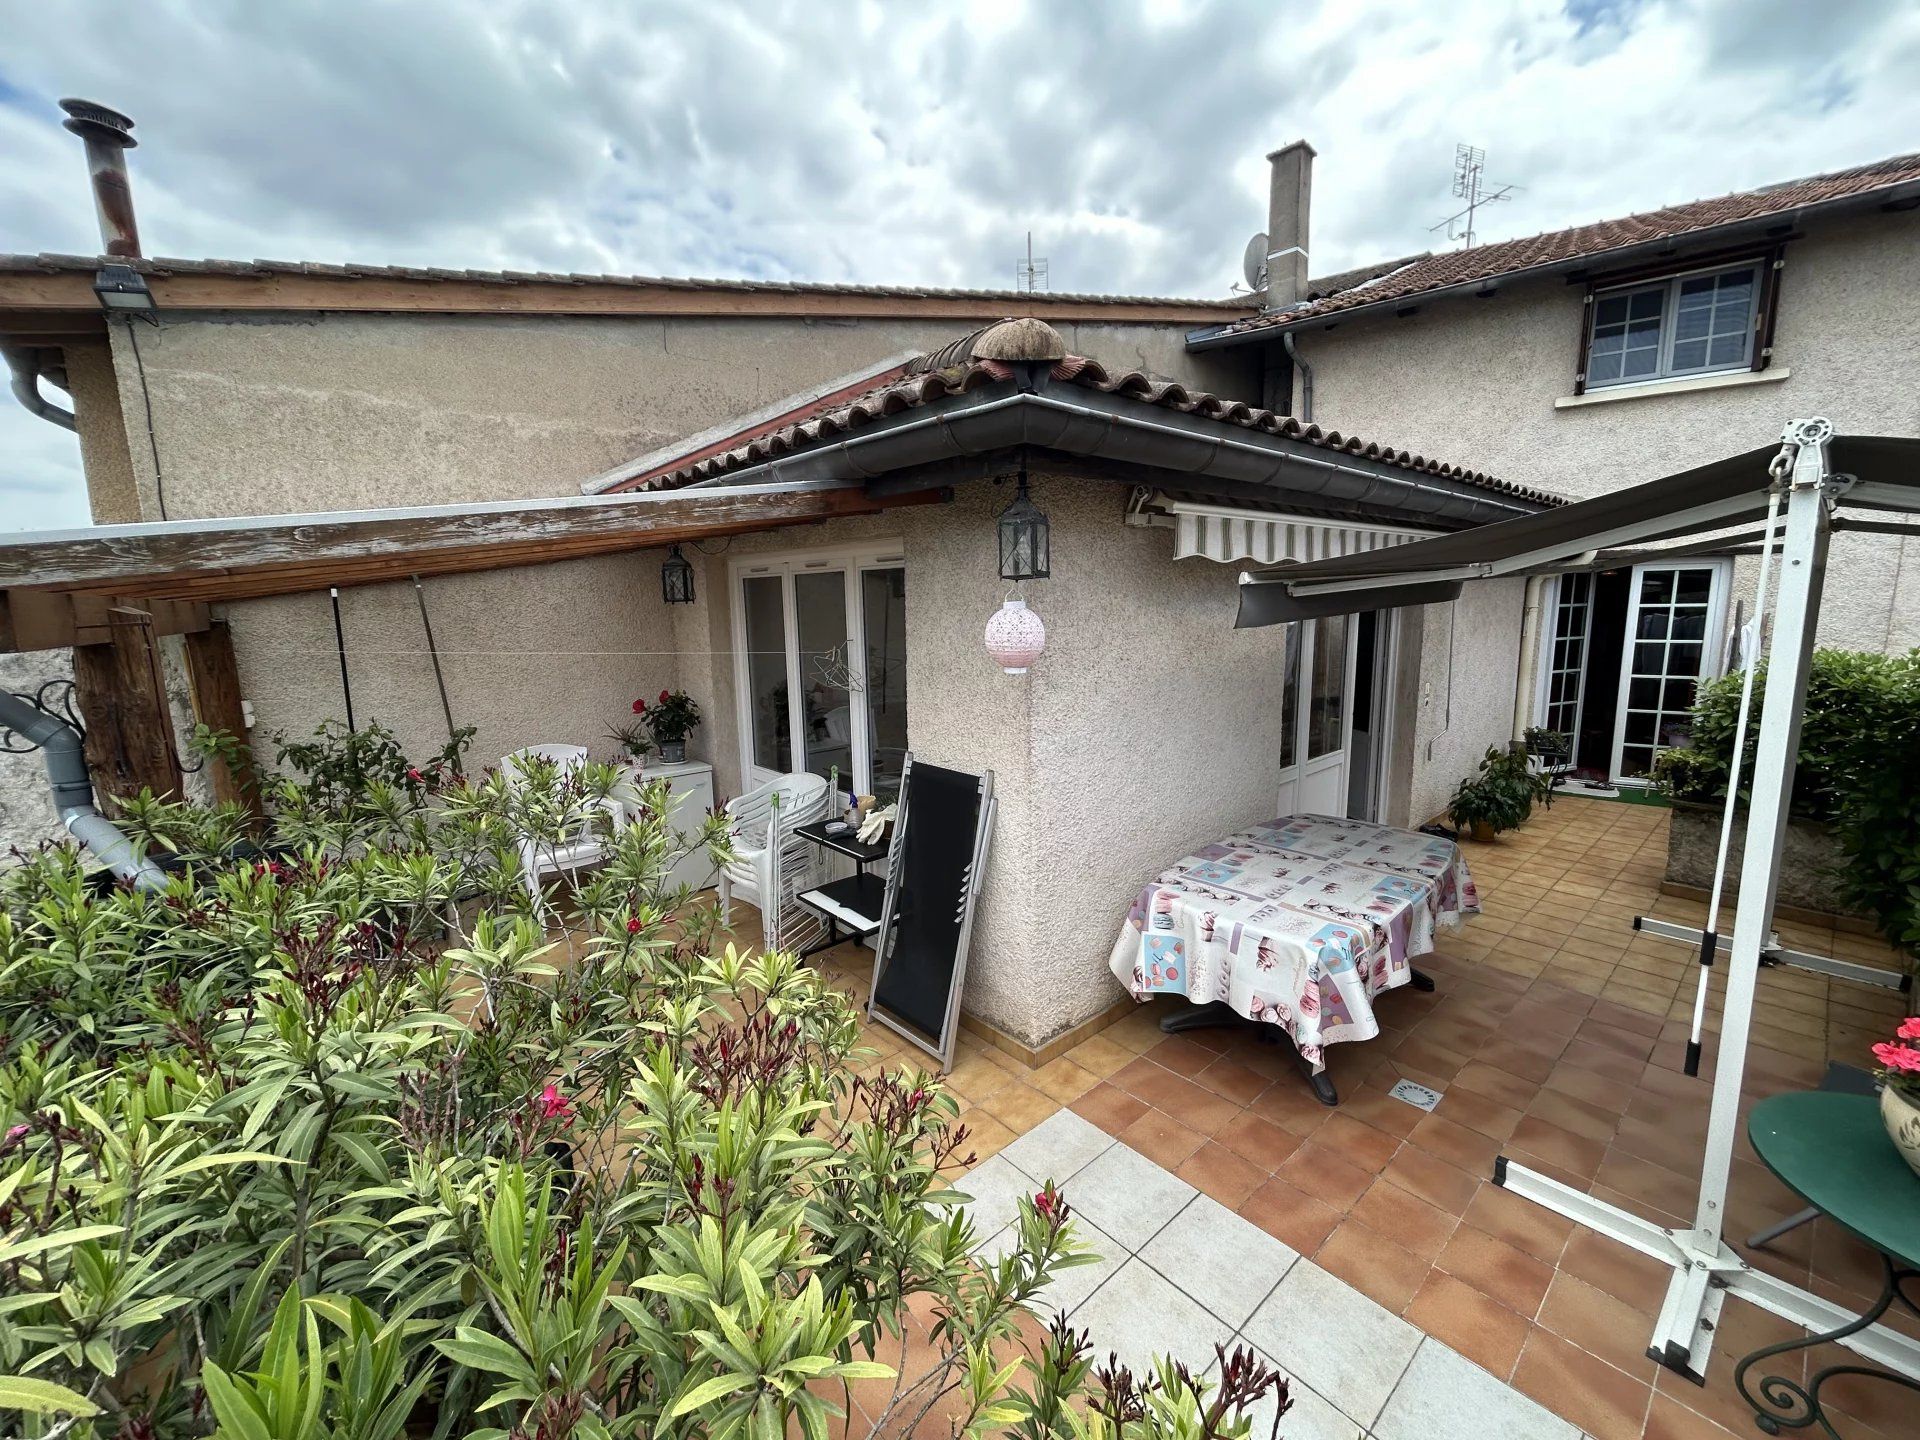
1688	324
820	668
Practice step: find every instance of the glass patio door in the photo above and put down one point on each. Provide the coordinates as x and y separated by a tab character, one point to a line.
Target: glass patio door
822	669
1674	617
1317	707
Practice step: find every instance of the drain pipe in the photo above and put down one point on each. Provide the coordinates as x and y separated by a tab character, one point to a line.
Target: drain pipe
73	791
27	367
1306	377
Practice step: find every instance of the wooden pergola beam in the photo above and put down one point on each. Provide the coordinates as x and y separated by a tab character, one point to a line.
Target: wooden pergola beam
206	561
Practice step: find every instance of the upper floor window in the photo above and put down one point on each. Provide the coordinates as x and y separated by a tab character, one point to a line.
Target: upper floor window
1686	325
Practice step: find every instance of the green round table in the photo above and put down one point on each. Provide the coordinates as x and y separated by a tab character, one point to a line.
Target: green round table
1833	1151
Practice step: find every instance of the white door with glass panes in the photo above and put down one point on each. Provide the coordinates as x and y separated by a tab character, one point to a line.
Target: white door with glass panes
1317	707
1675	615
1563	678
821	672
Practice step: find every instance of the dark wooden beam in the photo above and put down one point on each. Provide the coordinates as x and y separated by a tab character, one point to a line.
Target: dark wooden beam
53	620
130	740
241	559
214	679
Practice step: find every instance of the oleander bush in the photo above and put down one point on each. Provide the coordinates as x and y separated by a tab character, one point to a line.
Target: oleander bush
333	1137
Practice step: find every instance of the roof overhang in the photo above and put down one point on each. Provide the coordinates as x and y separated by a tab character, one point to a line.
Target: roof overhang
1881	474
1773	226
1235	462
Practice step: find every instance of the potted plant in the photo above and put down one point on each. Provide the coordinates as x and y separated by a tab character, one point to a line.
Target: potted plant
669	720
1499	797
634	737
1899	1072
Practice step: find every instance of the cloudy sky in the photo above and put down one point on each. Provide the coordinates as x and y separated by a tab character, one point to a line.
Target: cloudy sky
821	140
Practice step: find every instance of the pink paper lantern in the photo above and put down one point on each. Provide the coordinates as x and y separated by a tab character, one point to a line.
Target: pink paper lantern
1015	637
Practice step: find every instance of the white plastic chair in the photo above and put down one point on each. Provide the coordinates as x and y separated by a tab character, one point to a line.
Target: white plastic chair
803	800
587	847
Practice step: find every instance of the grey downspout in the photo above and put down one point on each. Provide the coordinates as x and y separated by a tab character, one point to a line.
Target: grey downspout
73	791
1306	377
26	367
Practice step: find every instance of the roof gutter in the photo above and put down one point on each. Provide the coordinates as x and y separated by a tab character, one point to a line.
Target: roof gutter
1221	337
1098	426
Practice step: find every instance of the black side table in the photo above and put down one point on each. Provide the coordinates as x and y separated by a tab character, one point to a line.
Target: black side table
1834	1152
852	904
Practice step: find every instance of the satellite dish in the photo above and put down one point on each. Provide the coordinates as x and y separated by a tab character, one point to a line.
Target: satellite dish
1253	264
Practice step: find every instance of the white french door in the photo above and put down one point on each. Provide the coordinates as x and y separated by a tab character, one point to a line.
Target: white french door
1317	703
1562	698
1675	616
820	666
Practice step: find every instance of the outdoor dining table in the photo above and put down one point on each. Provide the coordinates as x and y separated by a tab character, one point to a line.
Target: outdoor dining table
1834	1152
1297	923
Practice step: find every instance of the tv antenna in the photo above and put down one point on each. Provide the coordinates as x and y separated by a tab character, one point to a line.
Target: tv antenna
1030	274
1471	185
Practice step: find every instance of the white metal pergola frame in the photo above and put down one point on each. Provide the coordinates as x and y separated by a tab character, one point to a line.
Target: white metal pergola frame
1706	1270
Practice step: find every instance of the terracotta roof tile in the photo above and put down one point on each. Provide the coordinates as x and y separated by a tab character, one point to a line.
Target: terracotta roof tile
1420	275
836	418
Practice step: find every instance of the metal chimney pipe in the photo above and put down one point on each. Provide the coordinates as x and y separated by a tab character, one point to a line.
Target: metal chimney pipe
107	137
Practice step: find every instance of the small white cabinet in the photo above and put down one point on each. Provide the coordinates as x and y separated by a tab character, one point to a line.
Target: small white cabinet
692	791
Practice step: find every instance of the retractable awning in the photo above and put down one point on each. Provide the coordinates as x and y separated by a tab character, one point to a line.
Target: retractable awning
1223	533
1883	474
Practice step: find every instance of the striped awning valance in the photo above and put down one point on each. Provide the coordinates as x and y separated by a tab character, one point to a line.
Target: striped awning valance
1227	534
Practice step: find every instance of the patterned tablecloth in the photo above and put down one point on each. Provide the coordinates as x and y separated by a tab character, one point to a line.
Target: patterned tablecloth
1299	922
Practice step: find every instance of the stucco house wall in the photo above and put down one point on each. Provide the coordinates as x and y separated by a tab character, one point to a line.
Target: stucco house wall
1475	380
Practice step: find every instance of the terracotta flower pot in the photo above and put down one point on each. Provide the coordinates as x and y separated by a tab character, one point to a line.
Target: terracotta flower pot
1482	832
1902	1118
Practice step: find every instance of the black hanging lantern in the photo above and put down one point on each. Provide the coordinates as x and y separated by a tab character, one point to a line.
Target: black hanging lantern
676	578
1025	549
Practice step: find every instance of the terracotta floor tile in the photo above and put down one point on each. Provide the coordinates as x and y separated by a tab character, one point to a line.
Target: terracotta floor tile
1569	1113
1359	1143
1517	1060
1514	1092
1606	1403
1162	1139
1109	1107
1183	1055
1429	1178
1560	1145
1325	1174
1664	1189
1591	1089
1670	1420
1467	1149
1479	1327
1405	1219
1477	1112
1290	1215
1516	1279
1599	1324
1372	1105
1231	1080
1386	1273
1632	1044
1519	1223
1020	1107
1607	1265
985	1135
1258	1140
1604	1060
1200	1109
1063	1079
1624	1018
1215	1170
1292	1107
1100	1056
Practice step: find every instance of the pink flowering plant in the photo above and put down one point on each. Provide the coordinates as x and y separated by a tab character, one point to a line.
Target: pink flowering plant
1899	1067
351	1135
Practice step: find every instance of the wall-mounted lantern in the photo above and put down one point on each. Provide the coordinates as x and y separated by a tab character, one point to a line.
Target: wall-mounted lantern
676	578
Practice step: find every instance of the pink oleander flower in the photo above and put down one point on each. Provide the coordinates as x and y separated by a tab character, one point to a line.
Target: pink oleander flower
639	707
414	774
633	925
555	1106
1909	1028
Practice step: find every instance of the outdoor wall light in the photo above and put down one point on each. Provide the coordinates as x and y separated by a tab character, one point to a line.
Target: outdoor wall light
1025	547
123	291
676	578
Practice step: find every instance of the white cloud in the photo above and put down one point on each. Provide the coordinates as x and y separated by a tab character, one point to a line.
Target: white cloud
881	144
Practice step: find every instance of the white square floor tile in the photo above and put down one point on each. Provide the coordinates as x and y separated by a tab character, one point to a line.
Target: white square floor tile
995	1187
1445	1396
1226	1263
1310	1417
1127	1195
1058	1148
1340	1343
1070	1286
1139	1316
